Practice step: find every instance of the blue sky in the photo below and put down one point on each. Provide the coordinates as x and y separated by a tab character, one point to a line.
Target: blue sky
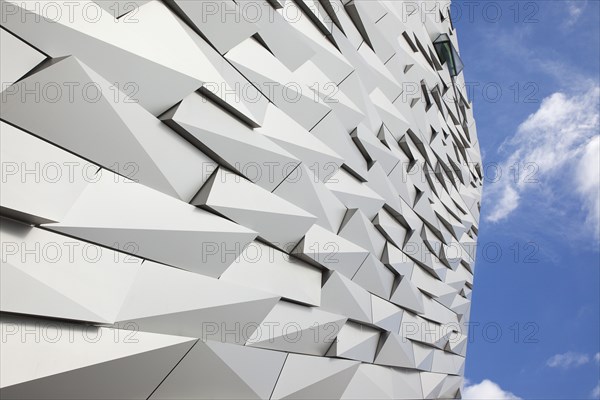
533	76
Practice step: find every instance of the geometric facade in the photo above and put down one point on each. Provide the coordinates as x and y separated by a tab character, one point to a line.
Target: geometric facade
235	200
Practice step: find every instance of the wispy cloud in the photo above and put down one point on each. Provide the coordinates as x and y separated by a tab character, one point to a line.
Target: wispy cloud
560	137
596	392
486	390
574	10
506	200
588	183
568	360
597	357
516	44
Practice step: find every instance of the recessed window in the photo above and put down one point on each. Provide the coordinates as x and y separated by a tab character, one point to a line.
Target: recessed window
448	54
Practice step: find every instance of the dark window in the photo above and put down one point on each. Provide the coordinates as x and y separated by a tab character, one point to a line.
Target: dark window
448	54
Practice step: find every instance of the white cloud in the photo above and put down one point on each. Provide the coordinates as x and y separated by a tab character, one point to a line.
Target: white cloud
557	131
588	182
486	390
597	357
567	360
506	202
560	137
574	10
517	43
596	392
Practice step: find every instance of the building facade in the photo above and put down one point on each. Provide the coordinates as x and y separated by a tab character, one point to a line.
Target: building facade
235	199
